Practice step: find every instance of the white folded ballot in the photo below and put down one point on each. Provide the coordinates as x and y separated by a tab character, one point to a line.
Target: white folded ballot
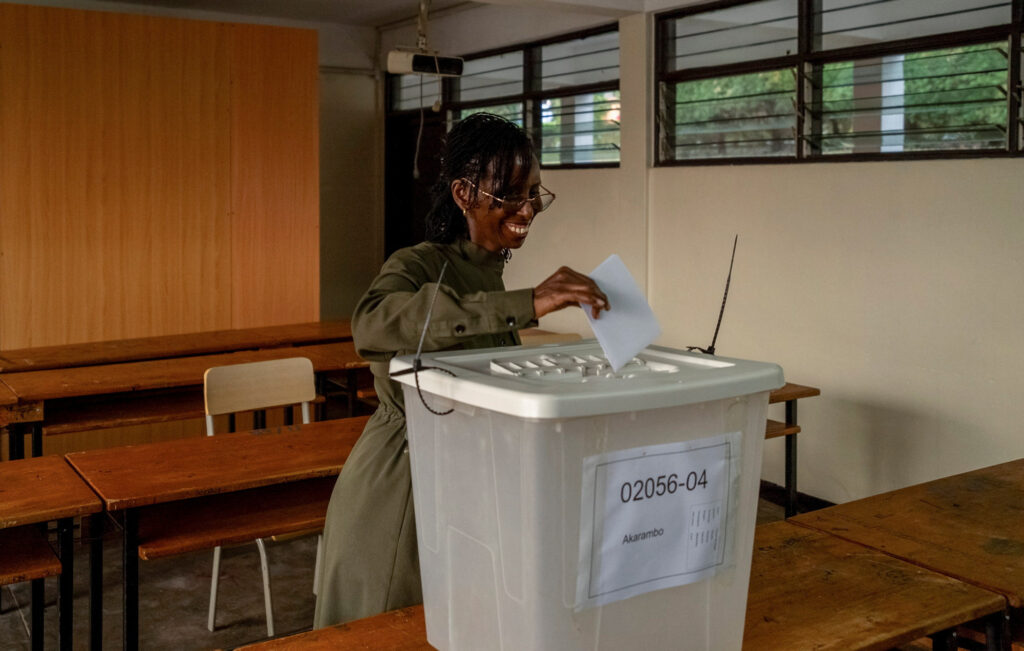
630	325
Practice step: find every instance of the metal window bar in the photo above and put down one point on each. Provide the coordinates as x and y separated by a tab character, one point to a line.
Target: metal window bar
580	55
947	14
550	132
732	48
579	72
719	30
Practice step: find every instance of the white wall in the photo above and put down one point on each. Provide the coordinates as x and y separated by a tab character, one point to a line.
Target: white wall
892	286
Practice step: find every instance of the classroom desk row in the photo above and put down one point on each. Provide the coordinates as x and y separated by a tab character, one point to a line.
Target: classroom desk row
871	574
80	387
168	498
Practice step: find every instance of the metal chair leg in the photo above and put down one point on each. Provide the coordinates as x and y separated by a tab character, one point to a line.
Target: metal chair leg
214	579
266	587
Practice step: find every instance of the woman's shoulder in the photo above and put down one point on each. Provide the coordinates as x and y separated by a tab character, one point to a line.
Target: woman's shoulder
424	257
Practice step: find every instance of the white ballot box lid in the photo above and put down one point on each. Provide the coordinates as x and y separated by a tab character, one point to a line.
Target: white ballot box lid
575	379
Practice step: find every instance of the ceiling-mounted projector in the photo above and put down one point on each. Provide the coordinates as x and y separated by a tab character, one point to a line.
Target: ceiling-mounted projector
401	62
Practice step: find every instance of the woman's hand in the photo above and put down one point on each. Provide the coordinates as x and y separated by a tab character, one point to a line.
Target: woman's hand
566	287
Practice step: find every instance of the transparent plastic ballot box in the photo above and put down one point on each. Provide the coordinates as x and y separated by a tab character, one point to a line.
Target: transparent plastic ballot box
561	505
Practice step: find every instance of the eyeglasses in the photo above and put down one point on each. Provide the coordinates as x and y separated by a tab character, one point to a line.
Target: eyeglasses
512	205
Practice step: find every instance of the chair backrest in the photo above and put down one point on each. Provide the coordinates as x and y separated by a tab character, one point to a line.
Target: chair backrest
258	385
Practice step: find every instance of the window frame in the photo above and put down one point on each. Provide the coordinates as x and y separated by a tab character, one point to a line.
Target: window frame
809	62
532	94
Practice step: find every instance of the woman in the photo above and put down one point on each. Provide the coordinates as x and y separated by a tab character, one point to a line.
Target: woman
485	200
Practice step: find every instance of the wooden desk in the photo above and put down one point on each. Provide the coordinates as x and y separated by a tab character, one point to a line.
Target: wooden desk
183	345
129	479
35	389
42	490
396	630
809	589
789	393
968	526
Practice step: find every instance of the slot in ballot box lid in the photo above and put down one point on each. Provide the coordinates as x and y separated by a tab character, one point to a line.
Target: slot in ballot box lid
573	380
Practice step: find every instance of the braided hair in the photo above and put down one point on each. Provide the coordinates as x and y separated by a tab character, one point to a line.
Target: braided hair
481	146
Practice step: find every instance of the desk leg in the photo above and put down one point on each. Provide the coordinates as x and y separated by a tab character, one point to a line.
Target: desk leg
944	640
96	581
37	439
66	596
16	441
38	603
791	494
997	633
131	580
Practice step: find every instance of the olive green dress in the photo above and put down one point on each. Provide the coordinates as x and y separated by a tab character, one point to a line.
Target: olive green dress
371	563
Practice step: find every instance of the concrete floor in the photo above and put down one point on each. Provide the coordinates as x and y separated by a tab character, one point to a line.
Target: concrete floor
174	595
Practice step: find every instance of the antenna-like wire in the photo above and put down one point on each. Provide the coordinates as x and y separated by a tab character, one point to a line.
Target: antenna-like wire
710	350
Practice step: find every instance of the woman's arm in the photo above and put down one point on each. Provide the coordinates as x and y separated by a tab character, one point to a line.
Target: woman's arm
389	318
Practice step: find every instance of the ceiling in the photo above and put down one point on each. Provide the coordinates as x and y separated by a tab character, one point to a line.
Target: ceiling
368	13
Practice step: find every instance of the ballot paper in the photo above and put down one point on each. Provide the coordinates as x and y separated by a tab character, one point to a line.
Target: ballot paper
629	326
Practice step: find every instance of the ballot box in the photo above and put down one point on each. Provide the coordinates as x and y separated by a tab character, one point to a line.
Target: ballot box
562	505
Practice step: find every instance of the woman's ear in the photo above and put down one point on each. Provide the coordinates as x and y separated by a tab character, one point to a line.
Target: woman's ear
460	193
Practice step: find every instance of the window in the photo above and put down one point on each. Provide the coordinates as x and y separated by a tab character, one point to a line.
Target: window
563	91
838	79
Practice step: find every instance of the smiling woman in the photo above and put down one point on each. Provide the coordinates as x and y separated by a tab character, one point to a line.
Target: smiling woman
487	196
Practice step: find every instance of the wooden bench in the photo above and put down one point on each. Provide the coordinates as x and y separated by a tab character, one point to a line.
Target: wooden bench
789	394
186	494
47	390
169	346
27	556
397	630
807	590
34	493
124	410
233	518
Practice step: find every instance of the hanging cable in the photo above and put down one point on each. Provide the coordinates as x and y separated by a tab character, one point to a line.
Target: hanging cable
417	364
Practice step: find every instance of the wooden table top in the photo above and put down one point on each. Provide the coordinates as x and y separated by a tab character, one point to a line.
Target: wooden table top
811	590
164	373
396	630
807	590
969	526
152	473
183	345
42	489
790	391
7	396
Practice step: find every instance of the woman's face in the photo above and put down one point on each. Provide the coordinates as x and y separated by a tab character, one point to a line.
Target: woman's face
489	224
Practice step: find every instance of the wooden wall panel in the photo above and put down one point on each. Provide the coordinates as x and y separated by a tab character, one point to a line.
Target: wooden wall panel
114	214
275	180
157	176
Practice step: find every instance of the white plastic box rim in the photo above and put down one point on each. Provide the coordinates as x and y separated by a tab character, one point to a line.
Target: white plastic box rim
479	379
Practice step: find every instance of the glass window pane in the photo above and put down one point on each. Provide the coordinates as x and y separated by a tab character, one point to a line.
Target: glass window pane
496	76
414	91
846	23
748	32
580	129
512	111
742	115
580	61
947	99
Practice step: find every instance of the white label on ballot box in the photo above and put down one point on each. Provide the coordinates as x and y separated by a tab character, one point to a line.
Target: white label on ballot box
654	517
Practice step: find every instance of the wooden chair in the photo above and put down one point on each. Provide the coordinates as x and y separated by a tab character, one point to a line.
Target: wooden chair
254	387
